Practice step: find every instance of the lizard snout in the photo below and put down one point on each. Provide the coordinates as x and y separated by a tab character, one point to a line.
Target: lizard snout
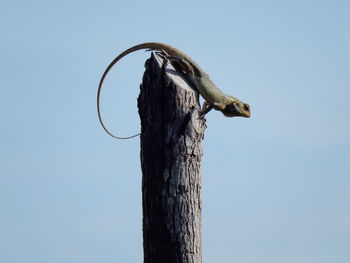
237	109
246	112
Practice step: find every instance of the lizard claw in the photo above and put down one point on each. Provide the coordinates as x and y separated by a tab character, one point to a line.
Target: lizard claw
201	115
162	53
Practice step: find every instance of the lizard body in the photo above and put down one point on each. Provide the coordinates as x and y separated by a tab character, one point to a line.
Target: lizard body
213	96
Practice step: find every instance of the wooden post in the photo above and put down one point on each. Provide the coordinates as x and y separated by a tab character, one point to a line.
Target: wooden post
171	132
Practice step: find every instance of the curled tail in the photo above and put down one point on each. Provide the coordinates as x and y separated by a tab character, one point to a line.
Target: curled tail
150	46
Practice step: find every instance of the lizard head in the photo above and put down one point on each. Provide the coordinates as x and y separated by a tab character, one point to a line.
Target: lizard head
237	109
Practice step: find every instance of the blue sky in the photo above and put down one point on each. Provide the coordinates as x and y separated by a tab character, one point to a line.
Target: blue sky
275	187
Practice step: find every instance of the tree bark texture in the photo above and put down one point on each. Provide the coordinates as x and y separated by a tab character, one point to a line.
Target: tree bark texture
171	132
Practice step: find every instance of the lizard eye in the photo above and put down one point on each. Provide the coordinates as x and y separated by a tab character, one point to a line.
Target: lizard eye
246	107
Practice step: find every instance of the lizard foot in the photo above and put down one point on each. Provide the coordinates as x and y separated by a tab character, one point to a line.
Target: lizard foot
162	53
206	107
201	115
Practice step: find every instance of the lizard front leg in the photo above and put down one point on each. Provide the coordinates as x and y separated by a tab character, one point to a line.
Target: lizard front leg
219	106
206	107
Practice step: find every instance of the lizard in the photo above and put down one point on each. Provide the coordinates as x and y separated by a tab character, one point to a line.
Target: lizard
213	97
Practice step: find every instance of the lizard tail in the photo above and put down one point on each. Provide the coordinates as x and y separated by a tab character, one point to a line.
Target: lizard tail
150	46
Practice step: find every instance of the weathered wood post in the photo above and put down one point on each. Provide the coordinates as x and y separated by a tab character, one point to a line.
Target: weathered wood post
171	132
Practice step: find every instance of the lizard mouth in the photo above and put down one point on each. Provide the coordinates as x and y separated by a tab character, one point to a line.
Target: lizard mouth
246	114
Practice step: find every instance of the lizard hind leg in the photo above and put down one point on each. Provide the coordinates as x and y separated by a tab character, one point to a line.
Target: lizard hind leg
181	64
162	53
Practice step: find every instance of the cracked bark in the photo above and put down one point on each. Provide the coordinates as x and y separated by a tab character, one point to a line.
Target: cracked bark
171	132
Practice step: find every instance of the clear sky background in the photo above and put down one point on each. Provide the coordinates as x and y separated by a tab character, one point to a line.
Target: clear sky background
275	187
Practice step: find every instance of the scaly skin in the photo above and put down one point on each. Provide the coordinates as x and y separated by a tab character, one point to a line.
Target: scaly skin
213	96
